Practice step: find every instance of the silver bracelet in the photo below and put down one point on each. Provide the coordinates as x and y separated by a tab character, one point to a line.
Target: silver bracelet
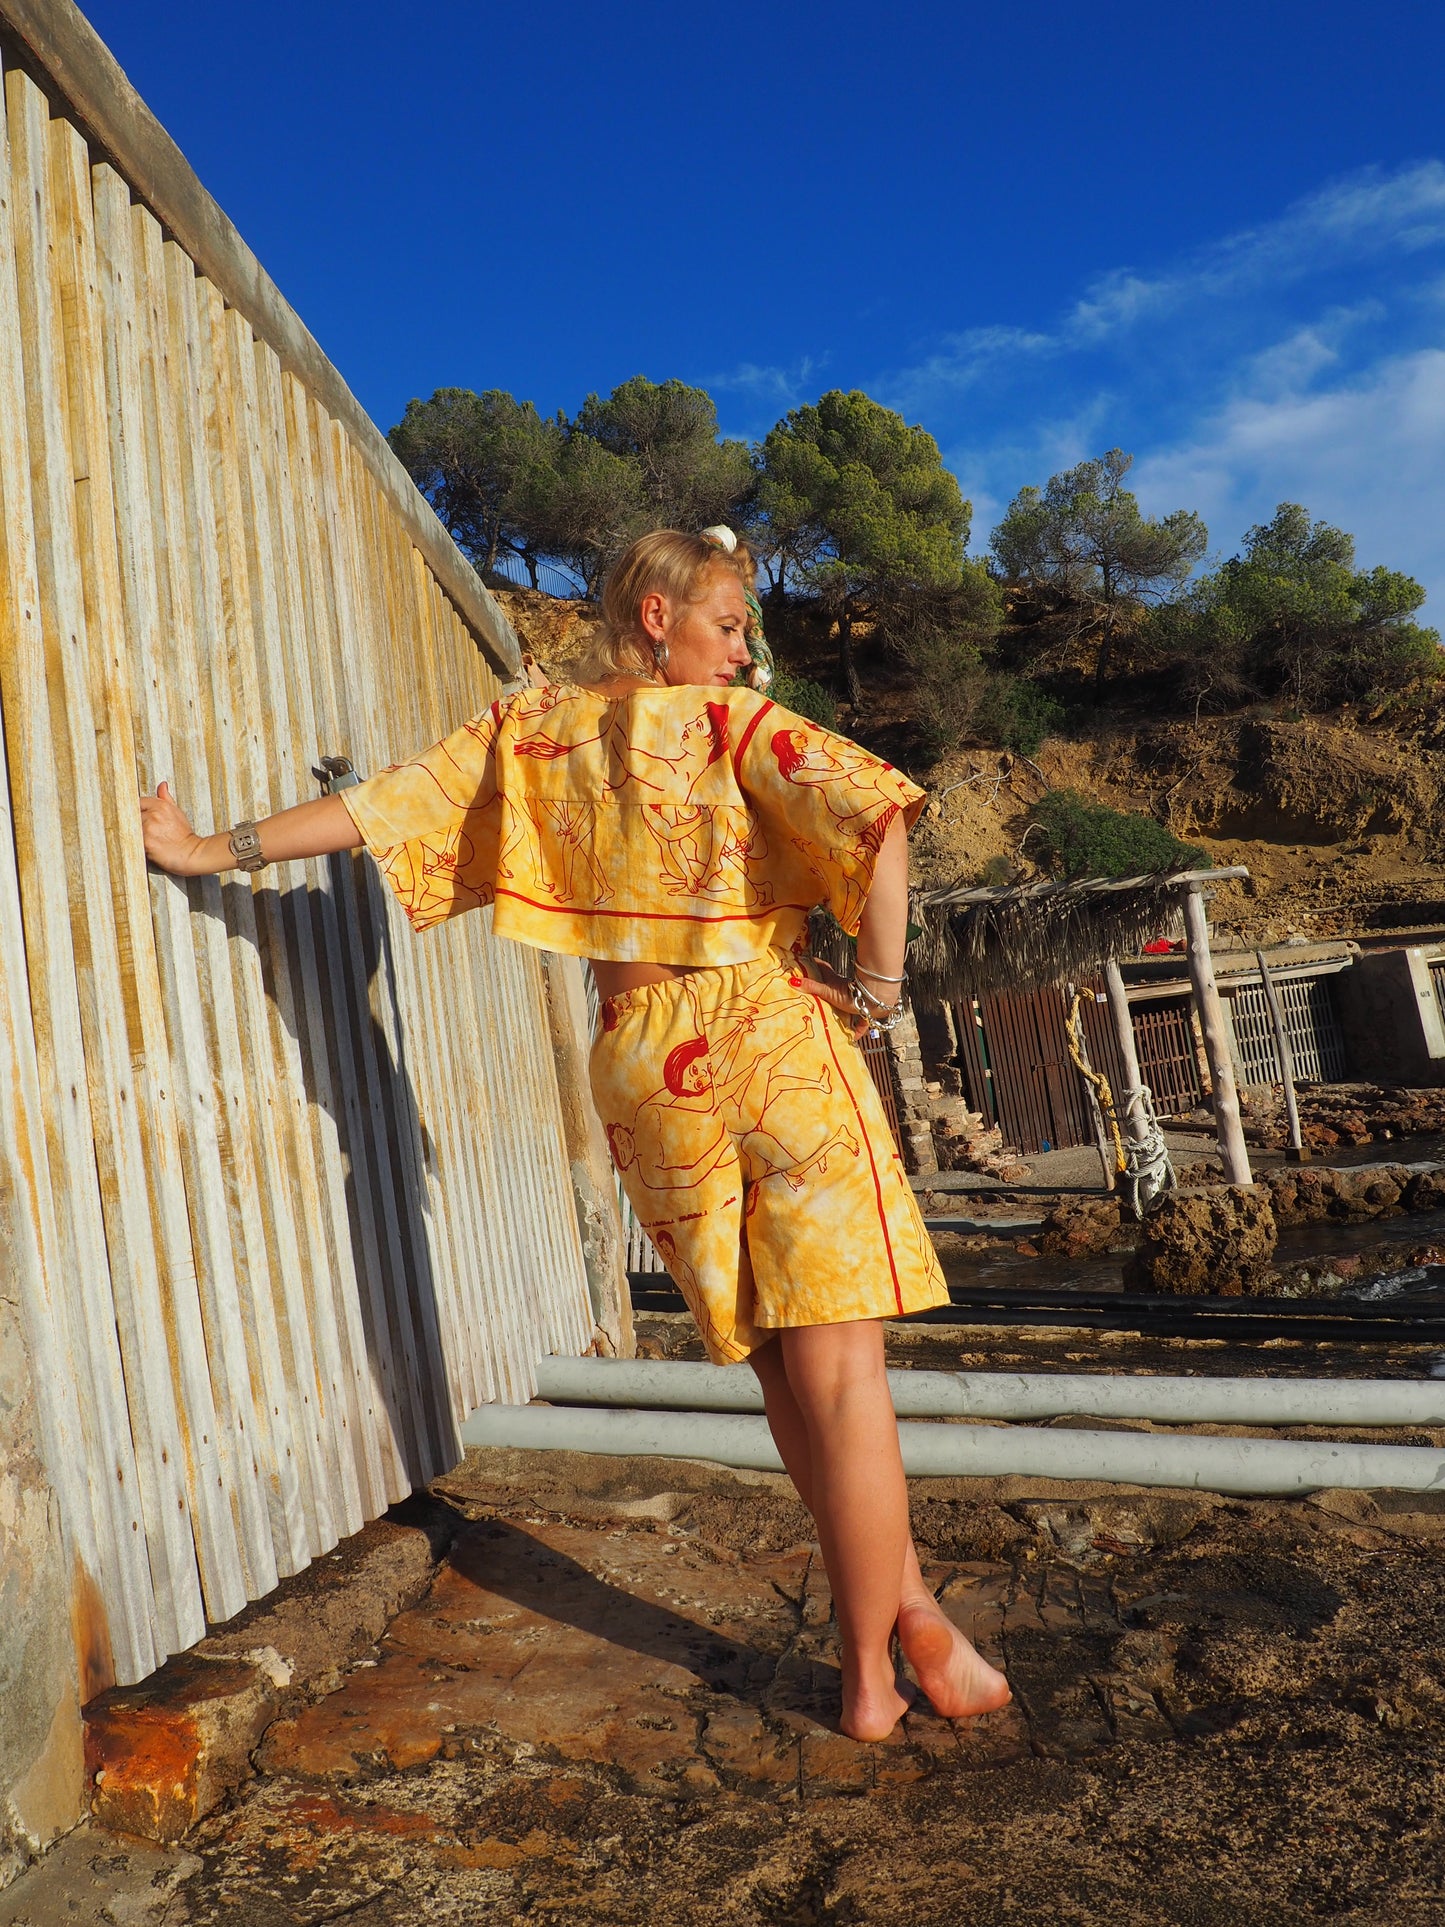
245	842
875	1003
878	1024
878	976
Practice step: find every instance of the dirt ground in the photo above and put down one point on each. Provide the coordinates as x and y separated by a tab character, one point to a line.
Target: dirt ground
617	1704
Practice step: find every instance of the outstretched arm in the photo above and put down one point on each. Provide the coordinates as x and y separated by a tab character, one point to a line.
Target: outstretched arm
318	828
882	932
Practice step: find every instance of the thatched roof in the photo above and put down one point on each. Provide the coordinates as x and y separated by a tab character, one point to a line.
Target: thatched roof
1022	937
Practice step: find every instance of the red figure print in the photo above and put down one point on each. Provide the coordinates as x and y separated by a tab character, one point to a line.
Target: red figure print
683	1073
676	1135
685	1278
752	1037
857	794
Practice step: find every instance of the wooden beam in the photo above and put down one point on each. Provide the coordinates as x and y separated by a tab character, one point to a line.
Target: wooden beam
1074	886
1216	1041
1131	1115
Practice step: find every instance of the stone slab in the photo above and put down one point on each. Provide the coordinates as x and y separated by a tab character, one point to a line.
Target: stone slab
161	1754
93	1879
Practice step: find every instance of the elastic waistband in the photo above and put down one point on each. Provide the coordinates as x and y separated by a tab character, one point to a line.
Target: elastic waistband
671	989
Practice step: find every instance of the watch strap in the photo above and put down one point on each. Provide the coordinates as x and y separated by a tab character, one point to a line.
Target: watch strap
245	844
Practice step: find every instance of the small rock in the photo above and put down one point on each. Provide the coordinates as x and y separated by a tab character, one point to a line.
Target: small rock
1081	1227
1424	1191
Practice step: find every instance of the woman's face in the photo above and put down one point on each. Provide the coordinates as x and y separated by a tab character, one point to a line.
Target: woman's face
706	640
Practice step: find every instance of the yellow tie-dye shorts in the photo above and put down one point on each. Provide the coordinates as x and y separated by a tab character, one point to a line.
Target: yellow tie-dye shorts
757	1155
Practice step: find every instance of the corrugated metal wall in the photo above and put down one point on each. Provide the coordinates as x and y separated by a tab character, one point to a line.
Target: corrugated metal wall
284	1187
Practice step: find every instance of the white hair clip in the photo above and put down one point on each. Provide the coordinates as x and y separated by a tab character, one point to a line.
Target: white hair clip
721	537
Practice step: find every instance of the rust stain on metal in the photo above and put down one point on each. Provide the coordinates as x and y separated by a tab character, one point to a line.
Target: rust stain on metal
90	1629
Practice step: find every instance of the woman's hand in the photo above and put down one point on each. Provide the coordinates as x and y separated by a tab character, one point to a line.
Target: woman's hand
822	981
170	842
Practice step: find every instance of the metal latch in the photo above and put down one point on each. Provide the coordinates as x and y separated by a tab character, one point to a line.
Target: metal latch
335	774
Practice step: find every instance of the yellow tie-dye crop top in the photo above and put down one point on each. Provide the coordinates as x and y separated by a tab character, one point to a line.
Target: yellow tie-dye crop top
669	825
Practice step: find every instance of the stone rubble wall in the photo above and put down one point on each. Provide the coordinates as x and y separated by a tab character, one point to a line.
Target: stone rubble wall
940	1132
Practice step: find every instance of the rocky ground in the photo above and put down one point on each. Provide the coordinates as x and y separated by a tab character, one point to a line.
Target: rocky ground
1346	1114
615	1702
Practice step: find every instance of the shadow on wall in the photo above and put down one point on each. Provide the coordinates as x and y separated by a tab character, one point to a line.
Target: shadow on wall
349	1033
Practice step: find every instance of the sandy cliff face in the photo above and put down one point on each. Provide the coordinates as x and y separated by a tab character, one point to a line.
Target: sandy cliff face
1339	823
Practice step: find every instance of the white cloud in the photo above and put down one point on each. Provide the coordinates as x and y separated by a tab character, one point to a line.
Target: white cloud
1368	454
1368	214
959	362
777	386
1371	212
1301	359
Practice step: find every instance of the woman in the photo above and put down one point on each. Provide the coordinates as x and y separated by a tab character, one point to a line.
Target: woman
677	829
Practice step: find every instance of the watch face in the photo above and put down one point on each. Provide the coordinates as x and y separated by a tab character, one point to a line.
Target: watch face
245	841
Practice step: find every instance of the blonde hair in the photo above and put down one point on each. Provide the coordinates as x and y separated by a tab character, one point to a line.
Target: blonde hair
664	562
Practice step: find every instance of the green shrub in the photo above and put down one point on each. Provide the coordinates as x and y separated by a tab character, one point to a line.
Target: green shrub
804	698
962	701
1292	617
1016	714
1078	838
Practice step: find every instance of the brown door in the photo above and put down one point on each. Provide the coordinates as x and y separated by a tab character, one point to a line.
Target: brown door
1167	1062
1016	1063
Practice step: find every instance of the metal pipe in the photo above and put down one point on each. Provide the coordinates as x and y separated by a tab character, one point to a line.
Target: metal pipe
674	1385
1260	1466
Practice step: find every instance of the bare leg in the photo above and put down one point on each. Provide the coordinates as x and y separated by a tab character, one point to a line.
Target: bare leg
957	1679
860	1502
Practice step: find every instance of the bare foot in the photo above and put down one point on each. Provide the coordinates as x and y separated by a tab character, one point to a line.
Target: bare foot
959	1682
871	1713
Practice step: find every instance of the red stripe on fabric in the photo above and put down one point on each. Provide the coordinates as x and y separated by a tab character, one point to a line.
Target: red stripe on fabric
872	1165
647	916
747	735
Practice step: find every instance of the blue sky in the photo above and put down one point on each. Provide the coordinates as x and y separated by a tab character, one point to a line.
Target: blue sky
1212	235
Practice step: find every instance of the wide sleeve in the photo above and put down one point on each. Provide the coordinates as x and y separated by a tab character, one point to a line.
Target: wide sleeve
826	799
432	823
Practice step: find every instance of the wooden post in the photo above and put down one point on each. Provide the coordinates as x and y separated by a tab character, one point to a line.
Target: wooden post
1295	1153
1216	1041
1131	1117
1102	1140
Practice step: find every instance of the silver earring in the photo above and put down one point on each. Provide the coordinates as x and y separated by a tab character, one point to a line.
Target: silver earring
660	653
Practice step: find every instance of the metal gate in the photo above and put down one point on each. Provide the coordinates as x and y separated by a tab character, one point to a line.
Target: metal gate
1437	977
1164	1039
1312	1025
